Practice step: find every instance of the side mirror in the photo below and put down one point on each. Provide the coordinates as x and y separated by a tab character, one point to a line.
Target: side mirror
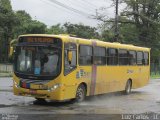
70	56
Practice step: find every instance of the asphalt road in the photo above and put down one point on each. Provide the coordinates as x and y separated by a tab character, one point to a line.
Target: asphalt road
142	103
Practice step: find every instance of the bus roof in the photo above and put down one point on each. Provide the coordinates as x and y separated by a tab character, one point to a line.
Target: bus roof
68	38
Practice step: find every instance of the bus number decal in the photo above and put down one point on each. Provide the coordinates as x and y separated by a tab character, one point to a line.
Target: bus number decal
130	71
82	74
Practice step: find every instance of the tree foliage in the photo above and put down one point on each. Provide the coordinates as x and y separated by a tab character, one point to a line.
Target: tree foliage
145	17
139	24
81	30
13	24
27	25
56	29
78	30
7	22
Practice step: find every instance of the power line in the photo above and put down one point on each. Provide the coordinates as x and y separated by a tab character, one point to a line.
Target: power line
69	8
58	7
47	2
89	3
81	5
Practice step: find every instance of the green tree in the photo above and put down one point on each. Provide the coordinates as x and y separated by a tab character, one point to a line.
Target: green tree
145	16
13	24
36	27
106	32
56	29
27	25
23	21
81	30
139	24
7	22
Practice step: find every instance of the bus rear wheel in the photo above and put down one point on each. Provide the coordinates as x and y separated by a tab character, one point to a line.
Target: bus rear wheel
128	87
81	93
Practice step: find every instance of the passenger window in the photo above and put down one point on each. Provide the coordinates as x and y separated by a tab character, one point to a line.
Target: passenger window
140	58
99	56
123	57
70	65
132	57
85	55
112	56
146	58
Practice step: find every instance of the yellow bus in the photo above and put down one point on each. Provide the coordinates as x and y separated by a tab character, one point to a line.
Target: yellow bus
61	67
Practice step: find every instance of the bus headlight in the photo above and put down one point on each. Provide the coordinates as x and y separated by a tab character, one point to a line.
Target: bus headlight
54	87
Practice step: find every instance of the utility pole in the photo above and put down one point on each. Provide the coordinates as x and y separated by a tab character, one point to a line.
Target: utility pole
116	23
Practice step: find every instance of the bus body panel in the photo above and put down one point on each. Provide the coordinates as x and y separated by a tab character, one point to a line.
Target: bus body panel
98	79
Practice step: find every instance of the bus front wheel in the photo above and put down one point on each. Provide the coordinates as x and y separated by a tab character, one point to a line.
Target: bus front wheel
81	93
40	100
128	87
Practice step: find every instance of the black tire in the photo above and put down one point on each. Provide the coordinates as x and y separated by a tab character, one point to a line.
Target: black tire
128	87
39	101
81	93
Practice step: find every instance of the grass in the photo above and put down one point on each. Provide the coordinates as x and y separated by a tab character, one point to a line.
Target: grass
155	76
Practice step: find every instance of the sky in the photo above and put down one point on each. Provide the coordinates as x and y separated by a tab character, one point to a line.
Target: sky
52	12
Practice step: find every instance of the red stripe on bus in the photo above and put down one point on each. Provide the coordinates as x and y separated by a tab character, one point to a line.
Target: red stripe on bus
93	80
94	75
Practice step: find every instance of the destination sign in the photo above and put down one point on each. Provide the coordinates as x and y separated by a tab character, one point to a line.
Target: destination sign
40	40
37	40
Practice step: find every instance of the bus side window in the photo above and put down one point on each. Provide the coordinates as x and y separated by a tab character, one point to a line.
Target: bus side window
139	58
112	56
69	66
146	58
85	55
99	56
123	57
132	58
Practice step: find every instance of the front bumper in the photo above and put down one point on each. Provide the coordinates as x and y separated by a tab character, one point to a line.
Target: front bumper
46	94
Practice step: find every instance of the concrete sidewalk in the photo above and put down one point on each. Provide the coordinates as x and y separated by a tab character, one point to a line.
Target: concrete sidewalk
6	84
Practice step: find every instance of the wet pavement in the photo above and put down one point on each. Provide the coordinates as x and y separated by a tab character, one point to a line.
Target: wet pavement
144	100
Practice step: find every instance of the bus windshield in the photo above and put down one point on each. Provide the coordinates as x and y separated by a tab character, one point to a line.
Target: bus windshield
38	60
